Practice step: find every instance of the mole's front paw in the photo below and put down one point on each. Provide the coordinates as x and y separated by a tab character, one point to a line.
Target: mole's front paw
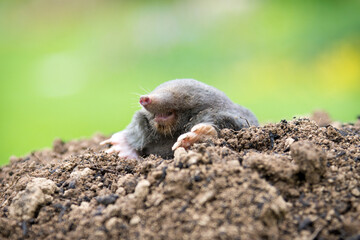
120	146
198	133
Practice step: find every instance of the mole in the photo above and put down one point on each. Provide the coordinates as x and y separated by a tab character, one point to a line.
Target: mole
178	113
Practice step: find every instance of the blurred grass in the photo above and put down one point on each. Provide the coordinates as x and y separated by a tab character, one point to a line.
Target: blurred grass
69	69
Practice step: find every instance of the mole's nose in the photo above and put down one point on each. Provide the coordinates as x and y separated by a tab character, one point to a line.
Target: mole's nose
145	100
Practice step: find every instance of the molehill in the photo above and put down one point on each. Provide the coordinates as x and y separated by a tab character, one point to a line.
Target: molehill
290	180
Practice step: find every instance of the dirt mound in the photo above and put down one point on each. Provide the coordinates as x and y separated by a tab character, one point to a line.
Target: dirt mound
291	180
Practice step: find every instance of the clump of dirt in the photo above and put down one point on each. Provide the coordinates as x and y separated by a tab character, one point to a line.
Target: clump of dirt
290	180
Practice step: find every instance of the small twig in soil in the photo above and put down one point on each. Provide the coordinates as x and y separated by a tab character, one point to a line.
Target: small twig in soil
24	228
102	170
162	176
316	233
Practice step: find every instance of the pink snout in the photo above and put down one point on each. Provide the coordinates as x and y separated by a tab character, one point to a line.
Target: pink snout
145	100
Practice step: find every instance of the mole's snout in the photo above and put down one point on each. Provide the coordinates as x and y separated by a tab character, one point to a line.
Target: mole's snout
145	100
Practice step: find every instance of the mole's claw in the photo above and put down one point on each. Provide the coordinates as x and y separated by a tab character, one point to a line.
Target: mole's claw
198	132
120	146
105	142
115	138
131	154
185	140
204	129
114	148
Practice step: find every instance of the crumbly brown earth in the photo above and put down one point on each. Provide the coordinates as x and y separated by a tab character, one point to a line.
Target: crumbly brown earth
290	180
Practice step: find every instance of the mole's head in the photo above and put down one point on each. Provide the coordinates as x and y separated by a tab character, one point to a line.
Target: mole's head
163	118
173	103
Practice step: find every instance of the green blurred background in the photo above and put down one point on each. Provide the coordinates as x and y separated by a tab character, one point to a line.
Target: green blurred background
71	68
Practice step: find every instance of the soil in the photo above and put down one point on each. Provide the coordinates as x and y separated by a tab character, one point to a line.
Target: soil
289	180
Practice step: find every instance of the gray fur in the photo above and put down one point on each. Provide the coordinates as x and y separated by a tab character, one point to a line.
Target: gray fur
194	102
